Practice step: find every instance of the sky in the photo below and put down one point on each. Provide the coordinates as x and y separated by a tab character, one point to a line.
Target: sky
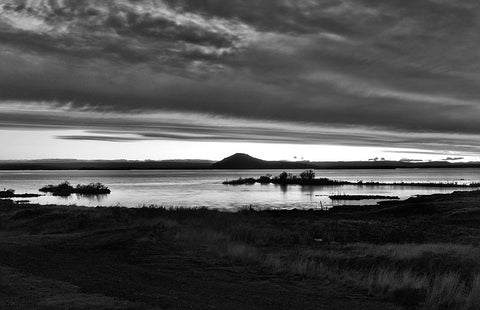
278	79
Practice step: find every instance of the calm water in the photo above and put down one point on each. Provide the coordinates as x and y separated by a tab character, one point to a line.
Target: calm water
204	188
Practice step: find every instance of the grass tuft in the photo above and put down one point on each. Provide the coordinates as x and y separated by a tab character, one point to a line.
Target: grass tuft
472	300
446	293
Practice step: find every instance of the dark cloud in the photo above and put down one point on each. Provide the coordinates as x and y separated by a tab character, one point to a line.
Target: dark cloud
395	68
121	127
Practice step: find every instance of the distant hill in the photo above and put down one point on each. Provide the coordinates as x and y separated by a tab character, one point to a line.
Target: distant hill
240	161
245	161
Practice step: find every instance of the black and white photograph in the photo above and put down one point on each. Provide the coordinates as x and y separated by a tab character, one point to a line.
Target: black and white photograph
240	154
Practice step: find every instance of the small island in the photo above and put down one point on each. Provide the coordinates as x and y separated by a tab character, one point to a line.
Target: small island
10	193
307	178
65	189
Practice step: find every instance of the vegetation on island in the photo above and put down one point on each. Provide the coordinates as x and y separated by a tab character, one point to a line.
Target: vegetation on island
7	193
308	178
305	178
65	189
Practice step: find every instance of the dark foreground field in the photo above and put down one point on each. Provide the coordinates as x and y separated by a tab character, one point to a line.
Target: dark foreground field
422	253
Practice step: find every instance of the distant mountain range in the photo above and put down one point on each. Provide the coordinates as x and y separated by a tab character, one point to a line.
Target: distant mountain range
72	164
236	161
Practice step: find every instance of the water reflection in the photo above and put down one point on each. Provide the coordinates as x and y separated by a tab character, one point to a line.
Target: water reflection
74	198
283	187
92	198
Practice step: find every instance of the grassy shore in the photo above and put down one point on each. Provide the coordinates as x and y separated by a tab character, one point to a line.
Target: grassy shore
422	253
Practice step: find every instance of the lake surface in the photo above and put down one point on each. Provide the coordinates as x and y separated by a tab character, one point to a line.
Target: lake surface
194	188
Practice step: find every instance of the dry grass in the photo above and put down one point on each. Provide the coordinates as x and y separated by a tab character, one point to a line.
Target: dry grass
428	276
409	250
299	265
447	292
244	253
472	300
406	287
412	290
386	281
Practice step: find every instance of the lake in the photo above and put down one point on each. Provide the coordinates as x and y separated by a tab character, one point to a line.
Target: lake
195	188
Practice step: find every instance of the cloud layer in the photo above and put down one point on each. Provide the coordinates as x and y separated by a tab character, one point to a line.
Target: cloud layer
402	73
